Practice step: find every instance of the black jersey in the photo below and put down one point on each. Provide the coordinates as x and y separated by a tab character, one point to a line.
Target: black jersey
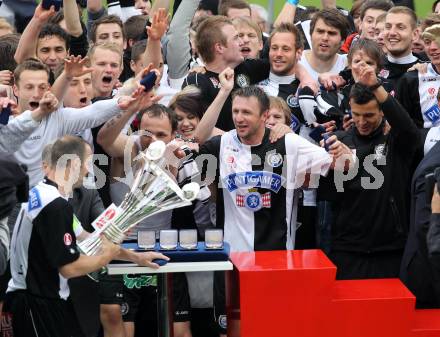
256	204
394	69
417	93
286	87
42	242
246	73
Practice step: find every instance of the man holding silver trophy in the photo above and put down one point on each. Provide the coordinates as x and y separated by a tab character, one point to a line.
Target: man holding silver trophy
44	241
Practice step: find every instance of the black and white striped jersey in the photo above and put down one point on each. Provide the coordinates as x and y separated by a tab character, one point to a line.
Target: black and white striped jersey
256	204
417	92
43	241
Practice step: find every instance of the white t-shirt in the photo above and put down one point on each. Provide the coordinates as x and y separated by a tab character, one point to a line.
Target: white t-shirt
339	65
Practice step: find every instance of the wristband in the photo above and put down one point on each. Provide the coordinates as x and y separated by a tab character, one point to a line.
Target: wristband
293	2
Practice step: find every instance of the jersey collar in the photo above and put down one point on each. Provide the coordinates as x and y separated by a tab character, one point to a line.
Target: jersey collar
281	79
402	60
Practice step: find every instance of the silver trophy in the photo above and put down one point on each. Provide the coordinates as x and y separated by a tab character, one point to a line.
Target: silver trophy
153	191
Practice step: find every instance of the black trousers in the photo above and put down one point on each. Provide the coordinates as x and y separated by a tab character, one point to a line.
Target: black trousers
355	265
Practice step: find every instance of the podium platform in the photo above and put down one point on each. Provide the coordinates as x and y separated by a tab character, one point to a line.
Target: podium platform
294	293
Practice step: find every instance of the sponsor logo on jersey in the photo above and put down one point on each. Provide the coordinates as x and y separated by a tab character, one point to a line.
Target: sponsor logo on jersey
294	123
67	239
379	151
230	159
253	201
274	159
292	101
34	199
215	82
251	179
222	321
433	114
243	81
384	73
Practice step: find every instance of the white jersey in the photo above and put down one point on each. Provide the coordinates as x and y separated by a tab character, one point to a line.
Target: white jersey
340	64
255	201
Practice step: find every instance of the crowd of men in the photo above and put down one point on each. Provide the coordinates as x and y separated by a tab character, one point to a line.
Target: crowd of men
319	130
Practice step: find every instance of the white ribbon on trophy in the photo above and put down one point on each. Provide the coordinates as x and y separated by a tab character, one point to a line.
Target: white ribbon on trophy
153	191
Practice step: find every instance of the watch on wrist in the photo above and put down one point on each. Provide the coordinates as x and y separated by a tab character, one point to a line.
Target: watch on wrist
377	85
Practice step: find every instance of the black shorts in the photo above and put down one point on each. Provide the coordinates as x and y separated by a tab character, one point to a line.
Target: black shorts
220	302
25	315
181	301
111	289
140	296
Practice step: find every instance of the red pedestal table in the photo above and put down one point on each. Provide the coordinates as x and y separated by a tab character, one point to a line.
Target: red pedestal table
294	293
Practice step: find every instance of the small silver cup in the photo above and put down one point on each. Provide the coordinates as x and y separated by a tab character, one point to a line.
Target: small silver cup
188	238
146	239
168	239
214	238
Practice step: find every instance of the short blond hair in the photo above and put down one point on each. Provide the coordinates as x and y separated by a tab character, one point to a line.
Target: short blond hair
6	25
280	104
106	46
242	21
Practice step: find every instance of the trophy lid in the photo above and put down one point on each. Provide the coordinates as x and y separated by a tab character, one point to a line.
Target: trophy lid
156	150
191	191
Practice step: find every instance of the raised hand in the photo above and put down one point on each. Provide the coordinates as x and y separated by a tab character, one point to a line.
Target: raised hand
138	100
76	66
226	78
6	77
42	14
159	25
48	104
367	76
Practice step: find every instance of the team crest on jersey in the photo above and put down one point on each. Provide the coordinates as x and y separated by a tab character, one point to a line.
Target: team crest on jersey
253	201
243	81
253	179
292	101
34	199
384	73
431	91
124	308
67	239
222	321
274	159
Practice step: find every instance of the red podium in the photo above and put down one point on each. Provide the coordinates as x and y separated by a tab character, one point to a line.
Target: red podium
294	293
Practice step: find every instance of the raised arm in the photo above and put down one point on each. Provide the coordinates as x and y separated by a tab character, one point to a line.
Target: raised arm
178	47
159	25
287	14
20	128
27	45
110	136
207	123
71	15
94	12
402	126
74	66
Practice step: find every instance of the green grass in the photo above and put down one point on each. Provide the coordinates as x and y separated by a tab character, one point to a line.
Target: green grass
423	7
